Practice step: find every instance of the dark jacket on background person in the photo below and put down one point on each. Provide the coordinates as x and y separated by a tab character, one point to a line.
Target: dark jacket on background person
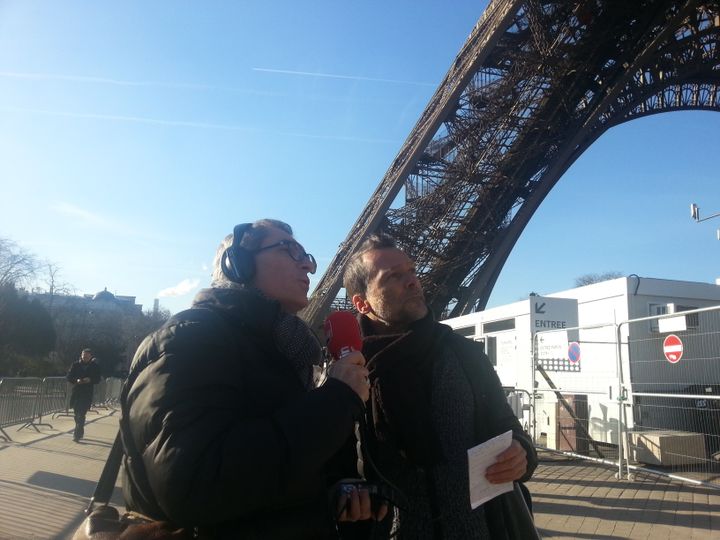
435	395
228	437
81	395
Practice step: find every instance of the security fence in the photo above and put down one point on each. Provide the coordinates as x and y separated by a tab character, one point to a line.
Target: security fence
24	401
18	402
576	380
642	395
54	398
111	393
673	389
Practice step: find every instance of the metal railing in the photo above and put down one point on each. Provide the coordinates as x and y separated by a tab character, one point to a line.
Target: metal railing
18	402
641	395
672	383
24	401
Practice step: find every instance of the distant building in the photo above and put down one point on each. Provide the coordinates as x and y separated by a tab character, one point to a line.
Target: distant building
100	301
103	321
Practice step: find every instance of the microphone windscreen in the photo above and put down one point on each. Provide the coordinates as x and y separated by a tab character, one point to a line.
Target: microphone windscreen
342	334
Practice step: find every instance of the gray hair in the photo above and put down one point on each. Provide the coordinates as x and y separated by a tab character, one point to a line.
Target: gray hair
251	240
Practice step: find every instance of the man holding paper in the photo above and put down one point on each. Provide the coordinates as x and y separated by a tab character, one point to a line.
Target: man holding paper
434	397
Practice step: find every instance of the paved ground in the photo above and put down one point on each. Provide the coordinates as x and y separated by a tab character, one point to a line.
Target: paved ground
579	499
46	479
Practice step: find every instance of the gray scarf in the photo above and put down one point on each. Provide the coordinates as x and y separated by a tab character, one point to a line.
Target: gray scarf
298	344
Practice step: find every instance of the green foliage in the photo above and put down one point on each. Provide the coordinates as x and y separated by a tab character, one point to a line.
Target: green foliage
43	334
13	364
27	334
113	335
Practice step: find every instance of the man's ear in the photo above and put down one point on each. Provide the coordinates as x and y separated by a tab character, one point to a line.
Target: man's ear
361	304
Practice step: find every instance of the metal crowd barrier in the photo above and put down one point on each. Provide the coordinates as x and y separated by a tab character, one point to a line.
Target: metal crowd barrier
18	402
54	398
113	387
25	401
106	393
642	395
99	397
672	389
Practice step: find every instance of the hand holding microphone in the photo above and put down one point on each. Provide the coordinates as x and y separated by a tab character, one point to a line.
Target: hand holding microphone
356	499
351	370
344	342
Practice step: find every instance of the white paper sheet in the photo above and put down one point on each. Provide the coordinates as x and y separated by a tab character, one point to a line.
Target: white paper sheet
480	457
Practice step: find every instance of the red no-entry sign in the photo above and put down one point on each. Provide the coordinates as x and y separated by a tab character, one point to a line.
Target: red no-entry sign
673	348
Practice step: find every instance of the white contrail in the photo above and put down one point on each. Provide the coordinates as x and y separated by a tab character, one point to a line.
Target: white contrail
92	219
134	119
83	215
104	80
336	76
88	79
201	125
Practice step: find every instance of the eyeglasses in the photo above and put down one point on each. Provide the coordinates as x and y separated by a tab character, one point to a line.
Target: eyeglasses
295	250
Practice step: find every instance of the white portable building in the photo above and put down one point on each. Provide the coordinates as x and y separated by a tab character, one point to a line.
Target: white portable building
576	344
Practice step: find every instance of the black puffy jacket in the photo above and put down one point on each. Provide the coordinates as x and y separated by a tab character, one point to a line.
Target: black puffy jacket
227	437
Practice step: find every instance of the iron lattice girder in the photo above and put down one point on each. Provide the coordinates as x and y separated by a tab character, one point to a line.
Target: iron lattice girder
534	85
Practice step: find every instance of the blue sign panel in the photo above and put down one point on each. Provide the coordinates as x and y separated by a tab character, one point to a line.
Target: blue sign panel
574	352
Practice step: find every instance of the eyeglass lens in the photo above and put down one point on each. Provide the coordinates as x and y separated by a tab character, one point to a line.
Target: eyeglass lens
297	252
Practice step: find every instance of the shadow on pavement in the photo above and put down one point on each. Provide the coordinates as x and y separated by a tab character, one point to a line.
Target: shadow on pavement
68	484
95	442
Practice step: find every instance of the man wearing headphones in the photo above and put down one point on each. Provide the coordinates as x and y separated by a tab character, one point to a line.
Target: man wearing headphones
222	427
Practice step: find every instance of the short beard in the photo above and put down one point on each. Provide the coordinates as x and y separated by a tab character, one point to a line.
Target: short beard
400	321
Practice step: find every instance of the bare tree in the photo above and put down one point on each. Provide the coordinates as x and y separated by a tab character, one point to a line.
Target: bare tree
55	286
52	279
17	266
589	279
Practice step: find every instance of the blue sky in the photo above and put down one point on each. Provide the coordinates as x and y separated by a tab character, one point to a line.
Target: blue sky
135	134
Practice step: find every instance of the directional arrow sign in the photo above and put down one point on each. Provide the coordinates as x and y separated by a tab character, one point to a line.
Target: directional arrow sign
550	313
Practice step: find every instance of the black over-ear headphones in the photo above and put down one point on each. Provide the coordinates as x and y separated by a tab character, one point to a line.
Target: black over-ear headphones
237	262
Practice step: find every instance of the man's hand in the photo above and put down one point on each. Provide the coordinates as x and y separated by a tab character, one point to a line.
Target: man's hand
356	505
509	466
351	370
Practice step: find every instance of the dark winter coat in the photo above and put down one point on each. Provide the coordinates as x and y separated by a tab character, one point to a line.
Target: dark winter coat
81	395
434	395
227	437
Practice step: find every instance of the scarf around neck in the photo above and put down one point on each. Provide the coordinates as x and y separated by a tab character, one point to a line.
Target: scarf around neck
298	344
401	377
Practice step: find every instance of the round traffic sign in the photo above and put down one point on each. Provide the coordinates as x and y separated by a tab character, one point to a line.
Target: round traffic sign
574	352
673	348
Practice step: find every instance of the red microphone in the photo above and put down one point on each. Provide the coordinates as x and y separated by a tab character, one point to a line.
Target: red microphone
342	334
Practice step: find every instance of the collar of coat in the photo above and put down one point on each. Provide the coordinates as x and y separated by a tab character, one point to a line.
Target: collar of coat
417	343
242	307
401	375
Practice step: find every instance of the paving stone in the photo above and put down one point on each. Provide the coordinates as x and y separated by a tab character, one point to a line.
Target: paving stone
46	478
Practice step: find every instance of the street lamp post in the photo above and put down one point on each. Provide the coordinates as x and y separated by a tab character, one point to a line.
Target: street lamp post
695	214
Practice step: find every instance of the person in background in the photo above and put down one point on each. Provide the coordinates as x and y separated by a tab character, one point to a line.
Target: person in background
83	375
